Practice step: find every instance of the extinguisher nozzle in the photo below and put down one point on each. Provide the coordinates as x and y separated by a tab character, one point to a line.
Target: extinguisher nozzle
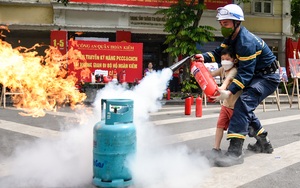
179	63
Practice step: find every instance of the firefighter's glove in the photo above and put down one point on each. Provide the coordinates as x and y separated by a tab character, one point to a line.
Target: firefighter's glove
223	94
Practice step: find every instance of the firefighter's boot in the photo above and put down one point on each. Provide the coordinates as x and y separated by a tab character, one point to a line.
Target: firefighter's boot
262	145
234	155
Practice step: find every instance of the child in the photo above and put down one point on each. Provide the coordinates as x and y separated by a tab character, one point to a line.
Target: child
227	72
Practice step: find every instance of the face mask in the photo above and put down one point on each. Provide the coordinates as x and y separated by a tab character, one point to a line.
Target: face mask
227	64
226	32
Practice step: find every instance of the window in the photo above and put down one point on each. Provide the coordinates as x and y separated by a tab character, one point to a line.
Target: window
263	6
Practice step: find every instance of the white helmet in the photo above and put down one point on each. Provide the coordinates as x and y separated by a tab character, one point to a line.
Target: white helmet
230	12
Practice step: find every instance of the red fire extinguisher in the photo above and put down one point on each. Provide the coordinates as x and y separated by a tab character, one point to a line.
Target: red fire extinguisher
115	73
123	76
168	94
115	76
192	99
199	106
188	103
204	79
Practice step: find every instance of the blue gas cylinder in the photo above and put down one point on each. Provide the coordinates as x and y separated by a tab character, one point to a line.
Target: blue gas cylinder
114	141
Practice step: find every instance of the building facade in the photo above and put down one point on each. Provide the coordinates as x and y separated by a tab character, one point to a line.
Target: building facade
31	21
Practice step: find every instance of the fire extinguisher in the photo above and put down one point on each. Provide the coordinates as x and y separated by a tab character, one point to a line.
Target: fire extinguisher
115	76
123	76
198	106
204	78
187	108
168	94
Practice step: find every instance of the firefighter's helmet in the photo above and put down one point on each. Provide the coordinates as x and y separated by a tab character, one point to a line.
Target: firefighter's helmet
230	12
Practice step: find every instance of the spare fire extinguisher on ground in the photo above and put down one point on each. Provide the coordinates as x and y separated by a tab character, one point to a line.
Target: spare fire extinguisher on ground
188	106
198	106
123	76
168	97
204	78
115	76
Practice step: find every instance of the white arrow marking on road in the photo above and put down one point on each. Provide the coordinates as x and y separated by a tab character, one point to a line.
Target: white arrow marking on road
29	130
66	114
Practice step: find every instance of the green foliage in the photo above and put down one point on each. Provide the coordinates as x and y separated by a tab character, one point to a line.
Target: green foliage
295	21
184	32
189	85
183	28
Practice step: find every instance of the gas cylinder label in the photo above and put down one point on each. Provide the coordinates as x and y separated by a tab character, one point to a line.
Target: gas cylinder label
98	164
114	108
118	109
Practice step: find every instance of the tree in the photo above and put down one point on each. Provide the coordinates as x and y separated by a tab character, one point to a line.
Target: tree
182	26
184	32
295	21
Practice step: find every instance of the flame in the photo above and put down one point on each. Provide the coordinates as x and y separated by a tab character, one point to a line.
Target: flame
44	82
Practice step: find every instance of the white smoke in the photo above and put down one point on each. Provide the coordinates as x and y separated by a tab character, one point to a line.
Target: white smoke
67	160
56	162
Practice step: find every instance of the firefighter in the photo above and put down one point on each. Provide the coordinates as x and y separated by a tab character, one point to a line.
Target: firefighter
256	77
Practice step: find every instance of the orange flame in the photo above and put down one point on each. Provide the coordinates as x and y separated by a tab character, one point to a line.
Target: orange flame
43	81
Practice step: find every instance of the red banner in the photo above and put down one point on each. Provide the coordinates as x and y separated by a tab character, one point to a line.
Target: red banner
59	39
210	4
108	56
123	36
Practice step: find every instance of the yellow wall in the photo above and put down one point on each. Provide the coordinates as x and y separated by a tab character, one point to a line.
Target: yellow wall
277	7
265	25
26	14
277	4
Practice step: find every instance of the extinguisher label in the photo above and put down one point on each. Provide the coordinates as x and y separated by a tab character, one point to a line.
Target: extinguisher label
194	70
200	78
